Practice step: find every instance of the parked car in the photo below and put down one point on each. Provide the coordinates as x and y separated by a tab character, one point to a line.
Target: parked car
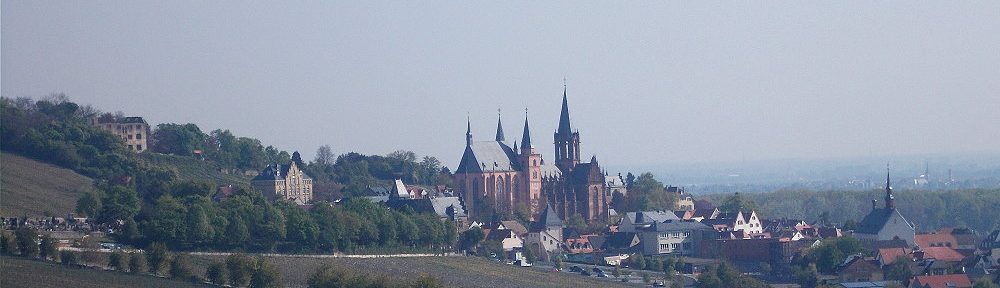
659	284
576	269
584	273
602	275
597	270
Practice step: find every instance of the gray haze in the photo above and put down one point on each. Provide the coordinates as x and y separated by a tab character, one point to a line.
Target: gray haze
649	83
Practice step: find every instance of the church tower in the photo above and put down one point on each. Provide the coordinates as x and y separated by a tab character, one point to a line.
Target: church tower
531	178
567	141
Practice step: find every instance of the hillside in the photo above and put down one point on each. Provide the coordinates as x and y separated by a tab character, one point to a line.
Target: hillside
20	272
453	271
190	168
31	187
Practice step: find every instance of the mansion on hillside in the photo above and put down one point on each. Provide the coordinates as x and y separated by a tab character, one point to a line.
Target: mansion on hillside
492	175
284	182
133	130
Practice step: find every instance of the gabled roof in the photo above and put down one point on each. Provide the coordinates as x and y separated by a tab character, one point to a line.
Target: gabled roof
945	254
942	281
648	217
889	255
680	225
515	226
547	219
549	170
488	156
876	220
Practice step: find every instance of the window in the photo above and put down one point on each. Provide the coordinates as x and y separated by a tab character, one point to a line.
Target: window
138	136
130	147
129	136
687	233
674	246
138	147
664	246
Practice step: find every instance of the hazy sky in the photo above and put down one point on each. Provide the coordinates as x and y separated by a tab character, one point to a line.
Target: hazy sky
649	82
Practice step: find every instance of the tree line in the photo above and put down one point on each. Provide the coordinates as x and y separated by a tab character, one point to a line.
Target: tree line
928	209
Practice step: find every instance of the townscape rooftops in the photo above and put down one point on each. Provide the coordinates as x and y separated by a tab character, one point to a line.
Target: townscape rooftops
942	254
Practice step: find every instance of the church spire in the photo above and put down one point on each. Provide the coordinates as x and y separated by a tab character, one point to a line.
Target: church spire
564	127
468	131
499	128
526	135
889	199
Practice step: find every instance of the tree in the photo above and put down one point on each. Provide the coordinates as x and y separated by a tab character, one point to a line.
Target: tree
471	238
67	258
89	204
806	277
240	268
137	263
985	282
199	230
216	273
177	139
645	277
8	243
709	279
118	261
736	203
158	257
48	248
324	156
264	275
119	204
639	262
577	223
617	272
529	256
297	158
765	269
180	268
27	241
899	270
427	281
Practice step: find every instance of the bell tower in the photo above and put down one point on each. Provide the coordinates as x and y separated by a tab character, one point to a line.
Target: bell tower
567	141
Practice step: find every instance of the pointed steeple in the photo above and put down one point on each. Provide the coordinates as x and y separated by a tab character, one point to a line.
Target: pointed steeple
564	127
526	135
468	132
889	199
499	128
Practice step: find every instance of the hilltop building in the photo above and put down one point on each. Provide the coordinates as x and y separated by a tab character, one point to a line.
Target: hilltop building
884	224
284	182
134	130
492	175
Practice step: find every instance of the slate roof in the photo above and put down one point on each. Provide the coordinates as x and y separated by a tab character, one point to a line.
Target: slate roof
650	216
547	219
991	241
441	205
564	127
876	220
680	225
515	226
276	172
549	170
488	156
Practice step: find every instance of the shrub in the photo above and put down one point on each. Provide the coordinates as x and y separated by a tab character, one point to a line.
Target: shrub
216	273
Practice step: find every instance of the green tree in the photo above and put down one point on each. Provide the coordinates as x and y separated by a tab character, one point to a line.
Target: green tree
639	262
158	257
180	268
137	262
118	261
985	282
806	277
709	279
617	272
264	275
471	238
645	277
119	204
240	267
177	139
67	258
736	203
89	204
899	270
8	243
528	255
48	248
199	229
427	281
216	273
27	241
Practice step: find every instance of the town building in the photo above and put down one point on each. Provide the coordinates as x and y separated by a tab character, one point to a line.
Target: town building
674	237
284	182
545	236
941	281
885	223
634	221
134	130
493	175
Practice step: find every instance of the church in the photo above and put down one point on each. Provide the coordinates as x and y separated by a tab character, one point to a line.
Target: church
493	175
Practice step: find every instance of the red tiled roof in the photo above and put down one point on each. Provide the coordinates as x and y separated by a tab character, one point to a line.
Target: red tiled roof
943	281
943	254
936	240
889	255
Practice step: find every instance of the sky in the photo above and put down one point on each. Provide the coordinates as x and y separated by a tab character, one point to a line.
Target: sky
648	82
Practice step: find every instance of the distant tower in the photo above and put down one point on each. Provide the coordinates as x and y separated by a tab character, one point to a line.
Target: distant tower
567	141
890	201
532	163
500	137
468	133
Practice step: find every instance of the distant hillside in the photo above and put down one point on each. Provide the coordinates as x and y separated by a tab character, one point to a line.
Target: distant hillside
190	168
31	187
20	272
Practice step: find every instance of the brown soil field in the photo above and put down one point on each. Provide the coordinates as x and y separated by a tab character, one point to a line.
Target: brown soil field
20	272
29	187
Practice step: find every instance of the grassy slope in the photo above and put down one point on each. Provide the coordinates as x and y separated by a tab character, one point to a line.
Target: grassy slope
20	272
30	187
453	271
189	168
